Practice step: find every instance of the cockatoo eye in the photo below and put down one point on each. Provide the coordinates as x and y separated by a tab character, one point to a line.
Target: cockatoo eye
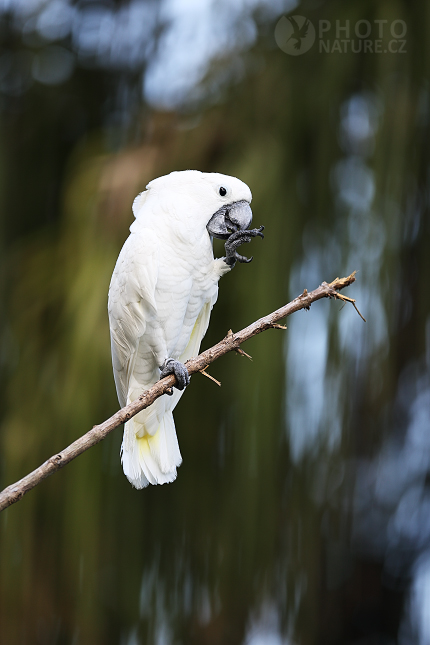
223	191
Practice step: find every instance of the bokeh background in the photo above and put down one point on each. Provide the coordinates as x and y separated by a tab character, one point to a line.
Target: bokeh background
301	512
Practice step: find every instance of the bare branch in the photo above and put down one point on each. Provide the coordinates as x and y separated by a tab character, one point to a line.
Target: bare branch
231	342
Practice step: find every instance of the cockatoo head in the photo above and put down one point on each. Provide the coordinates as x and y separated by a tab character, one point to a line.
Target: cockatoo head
199	200
234	213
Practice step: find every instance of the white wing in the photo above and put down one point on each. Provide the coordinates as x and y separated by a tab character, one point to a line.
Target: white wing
131	303
199	330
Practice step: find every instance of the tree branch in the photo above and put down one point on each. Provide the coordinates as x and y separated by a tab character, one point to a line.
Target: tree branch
231	342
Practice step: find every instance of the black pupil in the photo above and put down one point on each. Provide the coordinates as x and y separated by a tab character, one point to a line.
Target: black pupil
222	191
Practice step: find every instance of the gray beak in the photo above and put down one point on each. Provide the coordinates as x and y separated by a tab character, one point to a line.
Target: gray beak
229	219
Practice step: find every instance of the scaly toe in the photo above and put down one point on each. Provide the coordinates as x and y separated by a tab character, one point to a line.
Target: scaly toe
171	366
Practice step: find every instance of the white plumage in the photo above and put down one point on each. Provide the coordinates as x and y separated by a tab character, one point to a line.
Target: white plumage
162	291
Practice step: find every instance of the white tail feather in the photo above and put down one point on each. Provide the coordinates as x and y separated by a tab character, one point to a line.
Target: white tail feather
150	459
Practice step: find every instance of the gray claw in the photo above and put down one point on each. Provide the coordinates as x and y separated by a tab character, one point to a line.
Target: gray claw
171	366
235	240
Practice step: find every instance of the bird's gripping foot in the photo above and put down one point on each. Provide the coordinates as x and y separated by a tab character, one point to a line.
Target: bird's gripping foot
170	366
235	240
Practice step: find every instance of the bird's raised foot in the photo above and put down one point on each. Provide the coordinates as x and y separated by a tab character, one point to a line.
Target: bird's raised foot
235	240
171	366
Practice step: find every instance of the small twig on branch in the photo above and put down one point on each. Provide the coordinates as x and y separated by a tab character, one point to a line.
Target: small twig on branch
240	351
340	296
203	371
231	342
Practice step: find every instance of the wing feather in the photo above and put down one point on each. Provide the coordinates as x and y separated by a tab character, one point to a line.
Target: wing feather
131	303
199	330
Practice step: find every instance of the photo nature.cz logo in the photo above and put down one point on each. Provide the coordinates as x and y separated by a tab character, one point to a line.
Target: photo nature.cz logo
295	35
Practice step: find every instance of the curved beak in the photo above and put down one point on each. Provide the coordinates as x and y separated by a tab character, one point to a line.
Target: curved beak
229	219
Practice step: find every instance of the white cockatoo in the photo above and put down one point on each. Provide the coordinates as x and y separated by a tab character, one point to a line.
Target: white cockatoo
162	291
